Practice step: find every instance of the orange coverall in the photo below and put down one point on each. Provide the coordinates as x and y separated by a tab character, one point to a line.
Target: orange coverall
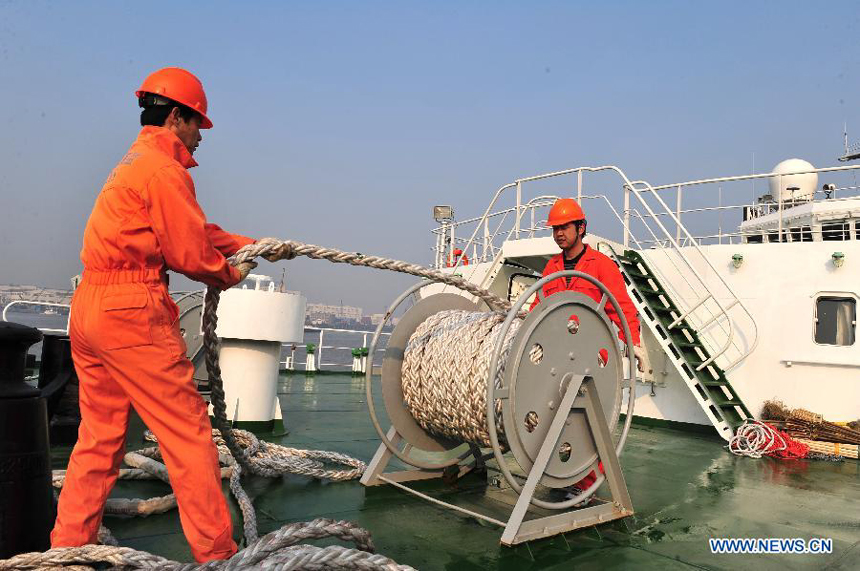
604	269
601	267
128	350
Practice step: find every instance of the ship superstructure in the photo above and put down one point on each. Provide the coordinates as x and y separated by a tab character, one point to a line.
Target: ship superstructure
743	295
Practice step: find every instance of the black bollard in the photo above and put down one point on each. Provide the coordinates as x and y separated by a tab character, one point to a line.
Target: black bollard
26	497
55	369
59	385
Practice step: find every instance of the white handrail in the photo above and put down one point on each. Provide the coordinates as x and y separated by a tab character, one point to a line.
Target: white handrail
632	186
321	346
748	177
638	188
44	304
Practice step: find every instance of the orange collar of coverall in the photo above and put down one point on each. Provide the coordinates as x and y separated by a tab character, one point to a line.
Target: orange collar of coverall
167	142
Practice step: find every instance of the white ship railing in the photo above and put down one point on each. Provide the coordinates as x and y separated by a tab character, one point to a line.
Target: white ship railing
758	209
713	316
290	362
361	337
709	310
484	242
42	304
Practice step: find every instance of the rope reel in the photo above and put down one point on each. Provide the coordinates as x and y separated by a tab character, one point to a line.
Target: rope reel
442	353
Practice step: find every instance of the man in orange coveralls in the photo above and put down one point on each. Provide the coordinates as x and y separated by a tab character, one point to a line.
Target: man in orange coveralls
124	328
568	229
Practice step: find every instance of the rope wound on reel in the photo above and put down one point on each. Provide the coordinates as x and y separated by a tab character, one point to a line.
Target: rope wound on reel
545	387
446	366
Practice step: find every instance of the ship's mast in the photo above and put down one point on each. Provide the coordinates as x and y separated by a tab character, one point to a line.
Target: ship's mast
852	152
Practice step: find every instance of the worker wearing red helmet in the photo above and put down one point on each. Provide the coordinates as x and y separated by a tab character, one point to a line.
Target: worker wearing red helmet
568	229
124	327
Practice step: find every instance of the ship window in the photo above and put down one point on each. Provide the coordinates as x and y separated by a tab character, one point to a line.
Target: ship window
756	238
773	237
840	231
857	230
795	234
835	320
806	234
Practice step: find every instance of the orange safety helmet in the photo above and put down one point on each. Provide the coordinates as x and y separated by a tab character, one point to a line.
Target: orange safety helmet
563	211
179	85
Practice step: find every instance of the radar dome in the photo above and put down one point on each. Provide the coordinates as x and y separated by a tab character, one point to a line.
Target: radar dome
793	186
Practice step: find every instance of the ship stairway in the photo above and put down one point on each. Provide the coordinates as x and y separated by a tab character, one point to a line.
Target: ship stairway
683	344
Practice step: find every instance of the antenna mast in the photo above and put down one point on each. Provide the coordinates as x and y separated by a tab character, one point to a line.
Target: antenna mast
851	153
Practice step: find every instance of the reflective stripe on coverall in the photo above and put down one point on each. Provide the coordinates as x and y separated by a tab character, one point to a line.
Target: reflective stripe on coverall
604	269
128	350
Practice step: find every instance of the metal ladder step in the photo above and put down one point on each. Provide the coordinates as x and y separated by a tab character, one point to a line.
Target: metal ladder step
640	275
723	410
723	401
715	383
732	417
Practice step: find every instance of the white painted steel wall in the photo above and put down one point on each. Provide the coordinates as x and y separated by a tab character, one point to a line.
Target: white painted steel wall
779	283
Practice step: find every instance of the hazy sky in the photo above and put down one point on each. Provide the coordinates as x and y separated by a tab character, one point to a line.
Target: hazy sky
343	123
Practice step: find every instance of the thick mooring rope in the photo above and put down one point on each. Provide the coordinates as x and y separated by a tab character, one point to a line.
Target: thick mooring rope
444	374
289	249
276	550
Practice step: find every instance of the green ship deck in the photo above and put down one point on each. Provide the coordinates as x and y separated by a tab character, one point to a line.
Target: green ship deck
685	488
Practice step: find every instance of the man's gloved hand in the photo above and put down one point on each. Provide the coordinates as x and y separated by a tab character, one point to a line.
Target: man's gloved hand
245	269
284	252
639	353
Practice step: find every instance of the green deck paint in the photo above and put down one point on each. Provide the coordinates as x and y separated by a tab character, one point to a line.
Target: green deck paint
685	487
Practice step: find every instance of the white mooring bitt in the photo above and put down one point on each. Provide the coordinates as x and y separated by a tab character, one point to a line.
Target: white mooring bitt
252	325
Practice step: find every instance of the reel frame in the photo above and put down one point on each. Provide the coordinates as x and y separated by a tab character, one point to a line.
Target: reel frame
578	393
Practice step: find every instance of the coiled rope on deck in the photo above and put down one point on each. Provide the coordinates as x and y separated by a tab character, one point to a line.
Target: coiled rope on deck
755	439
276	550
279	552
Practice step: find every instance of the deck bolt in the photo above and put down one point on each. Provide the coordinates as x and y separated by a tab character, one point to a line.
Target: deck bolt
553	372
571	355
551	405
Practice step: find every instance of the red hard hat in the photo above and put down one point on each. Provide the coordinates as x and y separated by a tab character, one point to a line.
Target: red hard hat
457	251
179	85
563	211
